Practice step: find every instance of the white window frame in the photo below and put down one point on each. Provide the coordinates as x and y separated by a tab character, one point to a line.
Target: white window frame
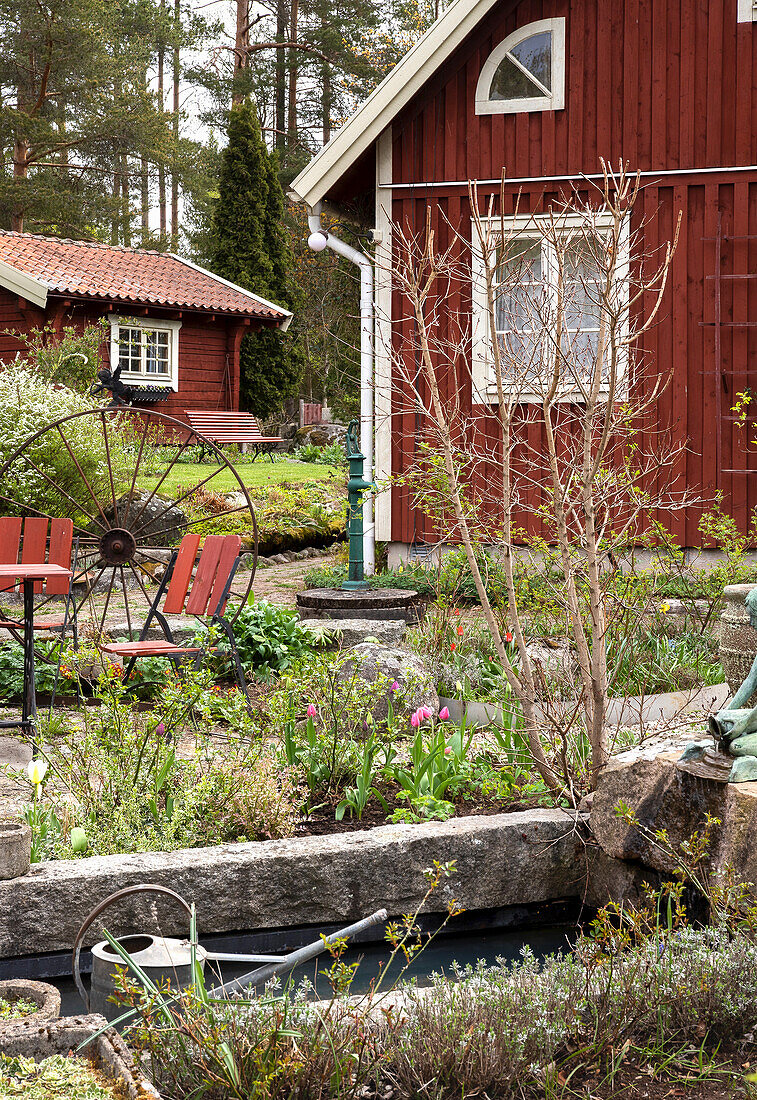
147	324
747	11
485	390
553	101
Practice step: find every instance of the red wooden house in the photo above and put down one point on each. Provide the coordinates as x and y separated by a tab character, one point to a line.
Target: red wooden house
544	89
174	327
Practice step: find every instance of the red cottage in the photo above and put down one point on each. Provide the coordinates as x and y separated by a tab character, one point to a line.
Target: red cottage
174	327
544	89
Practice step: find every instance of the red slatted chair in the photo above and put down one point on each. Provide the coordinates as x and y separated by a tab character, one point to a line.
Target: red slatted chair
38	539
206	599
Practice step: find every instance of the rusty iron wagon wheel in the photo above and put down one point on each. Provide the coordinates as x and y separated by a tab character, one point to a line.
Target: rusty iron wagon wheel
117	473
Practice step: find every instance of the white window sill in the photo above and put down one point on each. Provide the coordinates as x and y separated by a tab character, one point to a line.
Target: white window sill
156	380
566	397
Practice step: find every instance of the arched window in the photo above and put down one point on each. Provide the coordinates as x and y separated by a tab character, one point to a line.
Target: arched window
526	72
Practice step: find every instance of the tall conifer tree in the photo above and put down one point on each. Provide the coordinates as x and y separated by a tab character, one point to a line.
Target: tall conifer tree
251	247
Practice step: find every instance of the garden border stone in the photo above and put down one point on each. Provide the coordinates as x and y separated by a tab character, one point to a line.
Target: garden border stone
627	710
108	1051
505	859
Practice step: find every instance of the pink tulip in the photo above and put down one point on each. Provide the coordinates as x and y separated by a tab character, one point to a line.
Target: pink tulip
395	686
311	710
415	719
424	712
444	714
447	751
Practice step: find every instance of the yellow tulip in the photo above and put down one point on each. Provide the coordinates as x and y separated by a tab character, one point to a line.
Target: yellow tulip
36	770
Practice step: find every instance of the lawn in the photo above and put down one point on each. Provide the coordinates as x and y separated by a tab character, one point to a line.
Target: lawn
255	475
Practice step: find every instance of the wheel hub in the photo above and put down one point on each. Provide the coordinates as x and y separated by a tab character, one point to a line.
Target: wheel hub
117	546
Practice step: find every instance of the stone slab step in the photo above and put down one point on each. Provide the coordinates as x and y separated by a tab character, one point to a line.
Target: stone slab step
350	632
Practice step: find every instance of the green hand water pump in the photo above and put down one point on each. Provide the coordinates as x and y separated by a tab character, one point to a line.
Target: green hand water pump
356	487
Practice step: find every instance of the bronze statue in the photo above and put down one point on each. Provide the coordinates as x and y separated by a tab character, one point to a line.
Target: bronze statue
734	728
120	393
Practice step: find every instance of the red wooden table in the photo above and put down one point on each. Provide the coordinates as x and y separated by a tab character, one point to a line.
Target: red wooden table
28	573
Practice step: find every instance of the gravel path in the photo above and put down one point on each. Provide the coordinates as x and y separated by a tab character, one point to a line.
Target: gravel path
280	583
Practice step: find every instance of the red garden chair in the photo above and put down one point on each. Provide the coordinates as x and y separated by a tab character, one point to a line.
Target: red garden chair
38	539
30	541
205	600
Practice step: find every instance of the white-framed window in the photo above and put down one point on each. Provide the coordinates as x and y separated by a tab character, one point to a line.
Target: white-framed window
146	349
747	11
526	72
527	286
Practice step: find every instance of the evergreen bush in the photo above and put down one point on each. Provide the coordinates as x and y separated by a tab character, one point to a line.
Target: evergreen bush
253	250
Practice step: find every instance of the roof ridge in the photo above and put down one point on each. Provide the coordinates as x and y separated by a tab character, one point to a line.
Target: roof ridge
88	244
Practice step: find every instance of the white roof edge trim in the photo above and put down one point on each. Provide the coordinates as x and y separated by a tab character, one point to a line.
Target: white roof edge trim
287	314
26	286
395	90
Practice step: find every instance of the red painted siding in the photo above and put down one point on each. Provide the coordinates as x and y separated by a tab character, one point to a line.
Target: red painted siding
208	350
666	85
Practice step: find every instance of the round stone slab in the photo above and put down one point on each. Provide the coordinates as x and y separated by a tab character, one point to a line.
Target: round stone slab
367	603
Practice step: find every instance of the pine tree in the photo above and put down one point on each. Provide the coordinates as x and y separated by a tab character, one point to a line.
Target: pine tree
252	248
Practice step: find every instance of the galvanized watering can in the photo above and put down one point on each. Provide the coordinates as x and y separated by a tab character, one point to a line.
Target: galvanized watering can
161	958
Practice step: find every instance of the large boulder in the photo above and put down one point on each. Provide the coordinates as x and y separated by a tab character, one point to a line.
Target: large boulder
383	664
668	795
154	522
320	435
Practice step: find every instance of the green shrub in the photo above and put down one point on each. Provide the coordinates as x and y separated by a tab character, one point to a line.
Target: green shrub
333	454
270	638
126	782
27	403
69	358
12	670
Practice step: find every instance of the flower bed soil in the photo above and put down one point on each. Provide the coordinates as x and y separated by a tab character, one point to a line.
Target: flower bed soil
321	820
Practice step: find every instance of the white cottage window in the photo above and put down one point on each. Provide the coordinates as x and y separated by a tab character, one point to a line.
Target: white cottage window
146	350
525	302
526	72
747	11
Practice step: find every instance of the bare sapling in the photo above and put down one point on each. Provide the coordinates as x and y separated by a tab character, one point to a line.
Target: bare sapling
560	435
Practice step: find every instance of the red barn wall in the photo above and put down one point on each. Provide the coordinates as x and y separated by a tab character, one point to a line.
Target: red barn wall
669	86
208	350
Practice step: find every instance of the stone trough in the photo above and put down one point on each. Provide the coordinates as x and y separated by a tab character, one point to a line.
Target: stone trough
502	860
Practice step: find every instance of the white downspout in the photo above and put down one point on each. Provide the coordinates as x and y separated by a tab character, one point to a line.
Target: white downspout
318	240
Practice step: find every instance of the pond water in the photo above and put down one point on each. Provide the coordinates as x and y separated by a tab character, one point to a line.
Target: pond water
461	947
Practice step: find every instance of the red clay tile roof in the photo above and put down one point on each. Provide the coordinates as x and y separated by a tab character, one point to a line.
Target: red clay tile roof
127	275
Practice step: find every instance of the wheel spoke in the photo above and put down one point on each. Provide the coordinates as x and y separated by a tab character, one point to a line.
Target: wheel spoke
106	605
88	593
161	479
126	603
136	573
58	489
178	500
136	464
184	525
83	477
110	468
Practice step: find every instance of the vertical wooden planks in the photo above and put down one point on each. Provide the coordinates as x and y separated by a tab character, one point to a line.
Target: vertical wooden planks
740	448
34	545
631	83
679	366
658	42
687	100
606	109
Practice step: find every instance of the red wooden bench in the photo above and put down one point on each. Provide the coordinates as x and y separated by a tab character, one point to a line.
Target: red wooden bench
232	427
205	599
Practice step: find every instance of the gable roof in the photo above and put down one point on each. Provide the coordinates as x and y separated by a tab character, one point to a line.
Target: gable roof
396	89
32	266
